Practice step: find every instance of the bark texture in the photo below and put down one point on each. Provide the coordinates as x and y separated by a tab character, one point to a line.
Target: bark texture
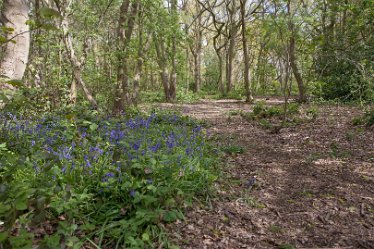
16	53
126	23
247	84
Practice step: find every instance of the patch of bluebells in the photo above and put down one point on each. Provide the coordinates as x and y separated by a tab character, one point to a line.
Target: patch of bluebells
107	151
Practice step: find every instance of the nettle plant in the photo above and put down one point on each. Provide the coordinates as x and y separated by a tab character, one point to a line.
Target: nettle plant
109	182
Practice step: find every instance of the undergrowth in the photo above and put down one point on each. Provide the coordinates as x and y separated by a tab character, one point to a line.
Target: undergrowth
366	119
82	179
273	116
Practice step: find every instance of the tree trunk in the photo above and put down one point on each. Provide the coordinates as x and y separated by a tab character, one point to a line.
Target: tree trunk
161	61
248	90
13	64
139	66
233	30
292	55
76	66
173	76
230	59
197	71
197	53
127	17
296	72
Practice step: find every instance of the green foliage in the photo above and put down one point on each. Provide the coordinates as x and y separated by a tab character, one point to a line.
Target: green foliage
233	149
286	246
312	112
346	74
234	112
367	119
108	181
262	111
272	117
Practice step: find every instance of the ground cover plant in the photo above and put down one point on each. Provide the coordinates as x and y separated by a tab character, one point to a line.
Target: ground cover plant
274	117
79	179
366	119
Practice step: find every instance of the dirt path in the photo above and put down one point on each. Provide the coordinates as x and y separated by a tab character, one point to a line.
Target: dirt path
314	189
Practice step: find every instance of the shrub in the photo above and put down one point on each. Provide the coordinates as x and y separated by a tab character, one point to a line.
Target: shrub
233	149
367	119
260	110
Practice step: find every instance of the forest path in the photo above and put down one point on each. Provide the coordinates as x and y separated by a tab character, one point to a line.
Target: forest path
315	183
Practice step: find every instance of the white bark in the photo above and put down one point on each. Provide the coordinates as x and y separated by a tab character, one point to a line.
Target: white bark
16	54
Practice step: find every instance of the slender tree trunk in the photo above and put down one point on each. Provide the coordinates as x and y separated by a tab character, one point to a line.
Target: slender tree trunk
292	55
248	87
76	66
230	59
197	49
230	56
295	70
197	71
173	76
221	86
161	61
139	65
15	58
218	49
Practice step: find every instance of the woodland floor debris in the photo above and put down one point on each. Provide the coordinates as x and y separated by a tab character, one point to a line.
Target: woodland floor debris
315	184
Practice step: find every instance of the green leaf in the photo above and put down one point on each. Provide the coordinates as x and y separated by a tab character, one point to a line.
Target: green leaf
153	161
170	202
7	29
48	26
174	247
145	237
170	216
88	227
20	204
51	241
17	83
86	123
40	202
93	127
4	208
3	236
3	39
49	13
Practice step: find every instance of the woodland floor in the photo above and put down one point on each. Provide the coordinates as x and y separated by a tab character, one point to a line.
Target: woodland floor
315	183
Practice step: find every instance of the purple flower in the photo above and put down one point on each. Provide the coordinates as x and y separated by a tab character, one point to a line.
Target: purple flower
149	181
155	147
110	174
132	193
116	135
136	146
88	163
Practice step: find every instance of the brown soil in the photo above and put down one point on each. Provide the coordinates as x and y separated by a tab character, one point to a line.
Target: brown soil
314	188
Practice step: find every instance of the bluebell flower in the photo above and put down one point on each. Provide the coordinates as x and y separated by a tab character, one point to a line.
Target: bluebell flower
149	181
132	193
110	174
136	145
155	147
189	151
116	135
88	163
